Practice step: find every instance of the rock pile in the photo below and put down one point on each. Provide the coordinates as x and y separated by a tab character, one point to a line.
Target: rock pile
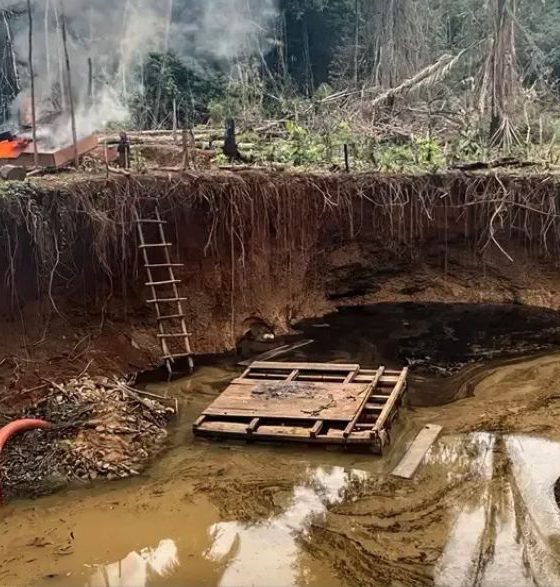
101	428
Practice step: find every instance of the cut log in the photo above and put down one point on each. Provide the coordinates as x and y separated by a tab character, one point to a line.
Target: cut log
13	172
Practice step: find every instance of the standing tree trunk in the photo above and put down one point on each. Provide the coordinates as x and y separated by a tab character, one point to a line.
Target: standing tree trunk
69	87
60	51
10	47
163	65
357	45
32	76
500	78
48	44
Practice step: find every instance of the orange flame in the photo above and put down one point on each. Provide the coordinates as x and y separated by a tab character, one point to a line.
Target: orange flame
12	149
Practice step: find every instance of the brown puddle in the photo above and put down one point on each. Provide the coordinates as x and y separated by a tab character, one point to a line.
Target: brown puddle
481	510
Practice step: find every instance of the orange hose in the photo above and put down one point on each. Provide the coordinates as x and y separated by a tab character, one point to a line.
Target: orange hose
14	428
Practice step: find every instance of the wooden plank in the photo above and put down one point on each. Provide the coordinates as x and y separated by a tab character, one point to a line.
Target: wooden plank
304	366
269	430
352	375
316	430
232	428
293	375
392	401
370	390
253	425
359	378
273	433
417	451
334	381
295	400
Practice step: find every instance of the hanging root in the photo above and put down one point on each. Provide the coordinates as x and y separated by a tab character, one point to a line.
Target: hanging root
80	235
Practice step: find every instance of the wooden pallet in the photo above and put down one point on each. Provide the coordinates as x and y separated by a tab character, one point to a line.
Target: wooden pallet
321	403
172	334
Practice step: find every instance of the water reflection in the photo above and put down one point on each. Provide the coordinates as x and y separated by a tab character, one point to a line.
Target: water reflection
504	532
470	454
138	567
267	553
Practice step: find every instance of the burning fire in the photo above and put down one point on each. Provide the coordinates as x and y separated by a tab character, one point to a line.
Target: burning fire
12	148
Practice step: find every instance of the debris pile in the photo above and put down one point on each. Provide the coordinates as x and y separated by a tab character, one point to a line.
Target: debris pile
283	390
101	428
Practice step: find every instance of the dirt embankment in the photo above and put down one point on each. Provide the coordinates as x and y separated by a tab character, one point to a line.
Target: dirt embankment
280	247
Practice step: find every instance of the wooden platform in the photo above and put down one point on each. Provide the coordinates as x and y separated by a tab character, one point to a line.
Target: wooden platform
323	403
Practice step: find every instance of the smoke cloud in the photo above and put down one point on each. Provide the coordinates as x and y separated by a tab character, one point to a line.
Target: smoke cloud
116	37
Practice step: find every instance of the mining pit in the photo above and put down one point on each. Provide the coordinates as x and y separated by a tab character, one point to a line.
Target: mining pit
415	271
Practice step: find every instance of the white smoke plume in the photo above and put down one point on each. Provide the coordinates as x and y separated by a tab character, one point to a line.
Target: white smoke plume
116	37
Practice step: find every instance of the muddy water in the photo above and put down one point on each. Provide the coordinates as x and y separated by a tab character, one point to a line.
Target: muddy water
481	510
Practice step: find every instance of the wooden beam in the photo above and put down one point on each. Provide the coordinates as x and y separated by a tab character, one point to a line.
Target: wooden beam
365	399
391	402
304	366
32	76
253	425
417	451
293	375
69	85
316	430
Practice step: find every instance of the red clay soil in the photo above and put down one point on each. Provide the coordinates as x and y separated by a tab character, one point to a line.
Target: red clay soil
277	247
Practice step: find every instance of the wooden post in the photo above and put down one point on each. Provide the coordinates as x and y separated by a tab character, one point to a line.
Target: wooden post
185	149
31	74
174	119
90	80
106	154
69	85
346	159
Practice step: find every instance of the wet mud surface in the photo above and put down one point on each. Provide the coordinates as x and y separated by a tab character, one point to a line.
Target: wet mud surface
480	511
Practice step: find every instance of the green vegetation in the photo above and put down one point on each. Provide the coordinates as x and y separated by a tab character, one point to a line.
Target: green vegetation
405	84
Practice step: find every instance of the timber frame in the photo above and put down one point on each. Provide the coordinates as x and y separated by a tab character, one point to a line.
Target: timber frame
315	403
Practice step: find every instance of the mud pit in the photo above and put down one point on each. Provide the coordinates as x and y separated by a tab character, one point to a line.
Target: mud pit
481	511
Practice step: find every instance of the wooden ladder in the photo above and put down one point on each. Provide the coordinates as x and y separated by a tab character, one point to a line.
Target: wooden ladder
172	326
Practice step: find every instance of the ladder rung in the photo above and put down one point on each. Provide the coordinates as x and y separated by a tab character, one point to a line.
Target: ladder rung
162	265
166	300
181	356
171	317
176	335
150	221
155	245
169	282
374	407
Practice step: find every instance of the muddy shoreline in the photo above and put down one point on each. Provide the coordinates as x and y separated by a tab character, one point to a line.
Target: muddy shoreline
203	513
450	349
